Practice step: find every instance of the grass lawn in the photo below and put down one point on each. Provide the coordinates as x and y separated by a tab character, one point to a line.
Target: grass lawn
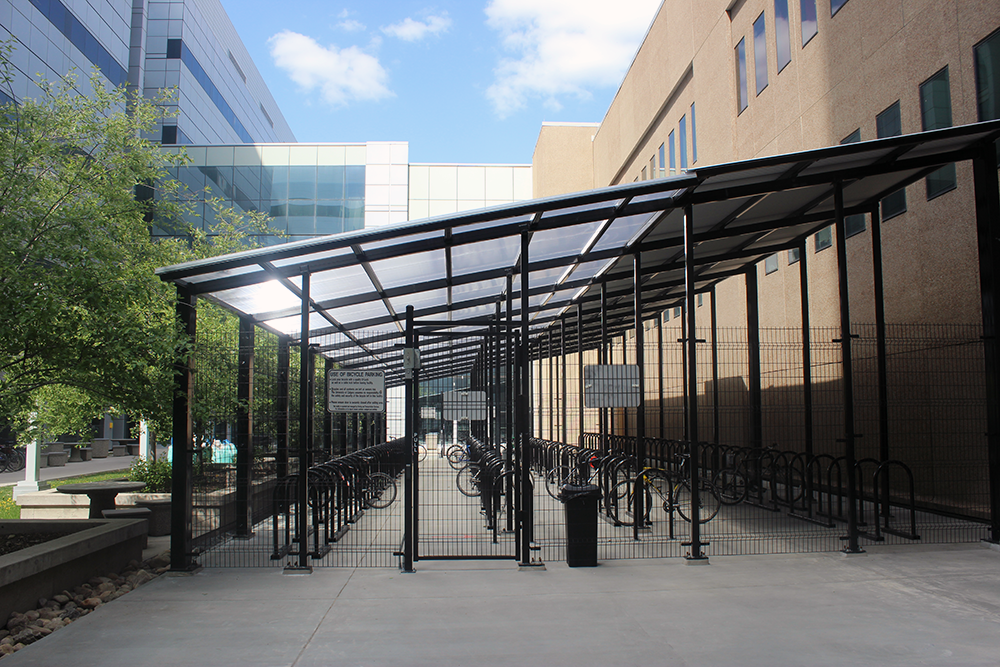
8	508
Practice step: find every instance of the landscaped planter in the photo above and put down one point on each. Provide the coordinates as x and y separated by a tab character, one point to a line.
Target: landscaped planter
94	548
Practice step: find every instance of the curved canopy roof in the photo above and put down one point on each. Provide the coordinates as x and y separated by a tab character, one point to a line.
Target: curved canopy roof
456	267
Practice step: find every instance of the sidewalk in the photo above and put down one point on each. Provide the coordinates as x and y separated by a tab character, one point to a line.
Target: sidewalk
905	606
76	469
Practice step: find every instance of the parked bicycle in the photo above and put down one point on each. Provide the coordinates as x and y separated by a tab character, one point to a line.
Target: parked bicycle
667	492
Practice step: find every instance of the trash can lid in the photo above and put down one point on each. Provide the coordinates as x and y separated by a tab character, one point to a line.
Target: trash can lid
574	491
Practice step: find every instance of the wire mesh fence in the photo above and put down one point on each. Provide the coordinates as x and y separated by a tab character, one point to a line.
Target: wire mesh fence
770	453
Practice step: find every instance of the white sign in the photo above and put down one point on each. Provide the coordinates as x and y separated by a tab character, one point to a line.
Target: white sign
459	405
611	386
355	391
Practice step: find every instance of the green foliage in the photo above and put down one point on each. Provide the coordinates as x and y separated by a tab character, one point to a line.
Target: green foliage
58	409
154	472
87	324
8	508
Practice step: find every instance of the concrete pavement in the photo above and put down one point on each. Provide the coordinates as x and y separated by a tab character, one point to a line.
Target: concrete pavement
912	605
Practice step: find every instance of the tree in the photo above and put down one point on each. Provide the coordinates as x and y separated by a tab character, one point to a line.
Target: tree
80	305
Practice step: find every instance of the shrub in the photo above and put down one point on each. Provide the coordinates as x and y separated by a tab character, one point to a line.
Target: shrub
156	473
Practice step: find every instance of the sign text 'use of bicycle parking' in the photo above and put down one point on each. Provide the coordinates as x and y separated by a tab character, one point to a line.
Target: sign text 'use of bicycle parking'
355	391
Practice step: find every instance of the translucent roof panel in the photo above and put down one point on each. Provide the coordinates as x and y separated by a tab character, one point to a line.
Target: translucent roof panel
409	269
485	255
561	242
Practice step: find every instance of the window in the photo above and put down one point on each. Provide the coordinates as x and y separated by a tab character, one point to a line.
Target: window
663	162
835	6
988	79
652	167
782	36
807	12
853	224
643	178
700	299
741	76
173	48
694	138
771	264
793	256
683	135
824	238
890	124
677	311
168	135
935	113
666	315
673	158
760	53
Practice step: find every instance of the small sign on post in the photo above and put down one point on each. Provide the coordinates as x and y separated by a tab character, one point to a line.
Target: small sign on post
609	386
355	391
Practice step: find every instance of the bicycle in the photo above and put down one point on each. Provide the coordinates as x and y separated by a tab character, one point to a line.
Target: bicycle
11	458
666	491
379	490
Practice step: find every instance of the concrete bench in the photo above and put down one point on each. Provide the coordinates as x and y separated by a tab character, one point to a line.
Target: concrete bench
57	459
159	519
133	448
100	447
119	450
79	454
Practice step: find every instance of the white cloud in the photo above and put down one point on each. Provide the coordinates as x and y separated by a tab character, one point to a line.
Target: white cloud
340	75
412	31
350	25
563	47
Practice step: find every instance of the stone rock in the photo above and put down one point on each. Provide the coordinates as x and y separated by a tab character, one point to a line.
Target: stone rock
139	578
92	603
106	596
106	587
16	620
31	615
7	641
6	649
42	602
27	636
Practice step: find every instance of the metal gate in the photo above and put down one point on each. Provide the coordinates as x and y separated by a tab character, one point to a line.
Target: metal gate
467	492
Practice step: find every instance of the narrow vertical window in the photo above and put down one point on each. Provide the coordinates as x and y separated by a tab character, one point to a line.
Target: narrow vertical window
835	6
782	36
652	166
853	224
807	13
673	156
741	76
988	79
694	138
890	124
793	255
663	161
643	178
824	238
760	53
935	113
683	136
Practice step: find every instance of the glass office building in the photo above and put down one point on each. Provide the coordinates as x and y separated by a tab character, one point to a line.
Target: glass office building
149	45
319	189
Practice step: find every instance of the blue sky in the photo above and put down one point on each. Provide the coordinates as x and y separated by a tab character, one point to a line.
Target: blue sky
461	81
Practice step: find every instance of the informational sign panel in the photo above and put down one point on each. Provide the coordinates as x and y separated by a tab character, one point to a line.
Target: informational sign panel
459	405
356	391
611	386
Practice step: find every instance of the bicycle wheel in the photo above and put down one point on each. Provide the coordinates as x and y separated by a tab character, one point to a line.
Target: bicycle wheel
622	501
555	478
708	501
468	480
6	460
380	490
457	457
731	486
421	453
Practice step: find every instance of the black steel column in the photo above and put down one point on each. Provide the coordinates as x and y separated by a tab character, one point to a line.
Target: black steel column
880	352
753	359
511	369
305	419
604	421
281	406
659	373
552	386
639	511
527	518
691	349
183	436
848	366
562	375
327	415
716	420
244	429
579	369
984	169
411	437
807	396
684	373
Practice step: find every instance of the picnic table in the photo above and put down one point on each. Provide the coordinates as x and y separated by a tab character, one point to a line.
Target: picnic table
102	494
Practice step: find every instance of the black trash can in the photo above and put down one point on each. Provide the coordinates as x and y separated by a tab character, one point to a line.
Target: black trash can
580	503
